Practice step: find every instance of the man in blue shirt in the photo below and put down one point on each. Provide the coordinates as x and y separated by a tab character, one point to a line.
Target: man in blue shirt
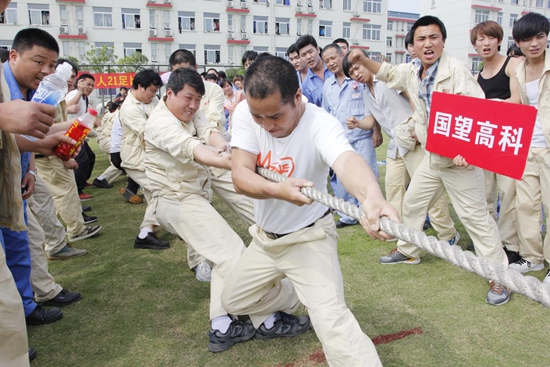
312	85
343	98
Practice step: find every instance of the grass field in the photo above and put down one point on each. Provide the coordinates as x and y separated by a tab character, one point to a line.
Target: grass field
145	308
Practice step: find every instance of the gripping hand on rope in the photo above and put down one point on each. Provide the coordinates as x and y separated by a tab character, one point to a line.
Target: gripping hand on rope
374	208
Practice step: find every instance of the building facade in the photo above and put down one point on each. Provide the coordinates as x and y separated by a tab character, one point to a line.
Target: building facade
461	16
218	31
399	24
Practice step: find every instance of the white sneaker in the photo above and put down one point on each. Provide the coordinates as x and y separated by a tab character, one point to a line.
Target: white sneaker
203	272
547	277
524	266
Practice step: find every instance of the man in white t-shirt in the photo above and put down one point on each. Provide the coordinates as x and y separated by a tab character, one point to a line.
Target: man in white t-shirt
295	237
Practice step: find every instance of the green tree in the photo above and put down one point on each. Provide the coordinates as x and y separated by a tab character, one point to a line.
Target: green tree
98	57
73	59
133	63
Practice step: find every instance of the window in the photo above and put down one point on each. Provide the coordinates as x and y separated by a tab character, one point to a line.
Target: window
132	48
325	4
409	26
347	4
389	41
510	42
481	16
211	22
499	18
230	22
372	6
152	19
243	23
390	26
131	19
80	16
39	14
186	21
103	17
540	3
81	51
346	30
211	54
281	52
167	51
282	26
230	54
65	46
166	19
476	64
10	15
154	52
371	32
325	29
188	47
388	58
282	2
259	25
63	15
309	26
109	45
515	2
513	19
408	58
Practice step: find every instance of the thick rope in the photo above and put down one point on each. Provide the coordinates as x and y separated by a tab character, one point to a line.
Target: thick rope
529	286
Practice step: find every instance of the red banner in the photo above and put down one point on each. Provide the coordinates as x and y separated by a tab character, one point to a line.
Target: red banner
113	80
492	135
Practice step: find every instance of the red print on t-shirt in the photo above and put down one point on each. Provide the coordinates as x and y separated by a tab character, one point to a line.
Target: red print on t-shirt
284	167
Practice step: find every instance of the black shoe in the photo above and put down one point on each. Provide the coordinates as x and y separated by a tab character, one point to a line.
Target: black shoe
513	256
427	225
86	208
285	326
89	218
64	298
151	242
102	184
341	224
239	331
41	316
471	247
32	354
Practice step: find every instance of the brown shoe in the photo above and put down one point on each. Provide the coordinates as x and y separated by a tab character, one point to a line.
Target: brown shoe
130	196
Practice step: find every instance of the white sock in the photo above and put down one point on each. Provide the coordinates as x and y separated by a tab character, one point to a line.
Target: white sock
221	323
144	232
270	321
101	178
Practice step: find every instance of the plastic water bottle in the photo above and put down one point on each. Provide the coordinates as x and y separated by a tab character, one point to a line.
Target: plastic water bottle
77	131
53	88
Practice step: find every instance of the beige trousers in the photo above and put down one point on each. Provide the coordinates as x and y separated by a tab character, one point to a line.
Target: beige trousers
308	258
440	218
466	188
13	329
140	177
42	205
507	216
62	186
533	192
197	222
242	205
42	282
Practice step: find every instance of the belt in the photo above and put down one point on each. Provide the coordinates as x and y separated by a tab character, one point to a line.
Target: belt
275	236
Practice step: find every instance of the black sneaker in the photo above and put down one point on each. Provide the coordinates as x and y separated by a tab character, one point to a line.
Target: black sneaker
103	184
88	218
286	326
63	298
239	331
41	316
86	208
151	242
32	354
513	256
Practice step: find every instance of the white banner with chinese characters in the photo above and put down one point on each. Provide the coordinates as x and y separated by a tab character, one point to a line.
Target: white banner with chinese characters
489	134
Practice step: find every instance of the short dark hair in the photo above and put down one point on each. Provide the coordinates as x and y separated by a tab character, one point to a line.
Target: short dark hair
238	77
226	81
146	78
305	40
114	106
271	74
182	56
334	46
210	76
529	25
429	20
346	65
85	76
28	38
4	55
291	49
73	65
181	77
409	38
341	40
249	55
222	74
514	51
123	88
